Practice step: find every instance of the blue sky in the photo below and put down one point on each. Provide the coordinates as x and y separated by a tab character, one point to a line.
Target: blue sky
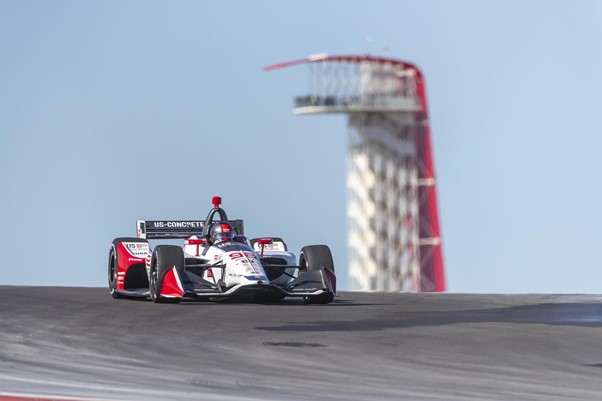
111	111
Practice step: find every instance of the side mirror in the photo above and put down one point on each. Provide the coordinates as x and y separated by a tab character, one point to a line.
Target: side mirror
263	242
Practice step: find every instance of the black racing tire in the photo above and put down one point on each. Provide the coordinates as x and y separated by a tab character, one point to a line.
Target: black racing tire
163	259
314	257
114	262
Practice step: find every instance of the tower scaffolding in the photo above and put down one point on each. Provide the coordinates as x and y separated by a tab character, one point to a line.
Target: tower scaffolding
394	239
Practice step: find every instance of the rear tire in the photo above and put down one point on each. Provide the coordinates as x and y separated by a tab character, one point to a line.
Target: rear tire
114	263
113	273
315	257
165	257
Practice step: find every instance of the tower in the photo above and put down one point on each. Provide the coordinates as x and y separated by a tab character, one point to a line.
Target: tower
394	237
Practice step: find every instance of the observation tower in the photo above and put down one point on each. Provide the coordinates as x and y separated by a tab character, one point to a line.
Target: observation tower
394	237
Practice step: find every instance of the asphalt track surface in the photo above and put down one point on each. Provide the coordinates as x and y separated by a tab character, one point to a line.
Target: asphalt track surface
79	342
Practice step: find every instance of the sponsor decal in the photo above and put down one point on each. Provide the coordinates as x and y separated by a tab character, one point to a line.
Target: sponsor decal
178	224
256	278
137	249
248	260
243	254
228	244
204	290
236	255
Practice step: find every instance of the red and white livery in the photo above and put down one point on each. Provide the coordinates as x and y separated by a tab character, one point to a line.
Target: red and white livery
216	262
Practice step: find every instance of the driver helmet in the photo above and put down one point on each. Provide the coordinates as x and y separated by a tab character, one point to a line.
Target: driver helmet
221	231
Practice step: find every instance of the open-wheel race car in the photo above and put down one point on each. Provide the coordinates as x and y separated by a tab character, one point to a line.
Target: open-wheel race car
216	262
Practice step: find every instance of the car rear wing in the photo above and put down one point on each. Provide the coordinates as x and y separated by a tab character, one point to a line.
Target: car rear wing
173	229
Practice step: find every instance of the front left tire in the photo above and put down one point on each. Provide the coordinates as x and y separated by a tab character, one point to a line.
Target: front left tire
164	258
319	257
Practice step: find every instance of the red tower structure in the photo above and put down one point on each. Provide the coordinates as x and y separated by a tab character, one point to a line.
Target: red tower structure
394	237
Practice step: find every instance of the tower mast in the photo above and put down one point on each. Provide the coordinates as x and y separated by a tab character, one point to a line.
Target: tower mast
394	238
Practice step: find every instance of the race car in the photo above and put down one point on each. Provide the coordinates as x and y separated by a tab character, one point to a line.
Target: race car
216	262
